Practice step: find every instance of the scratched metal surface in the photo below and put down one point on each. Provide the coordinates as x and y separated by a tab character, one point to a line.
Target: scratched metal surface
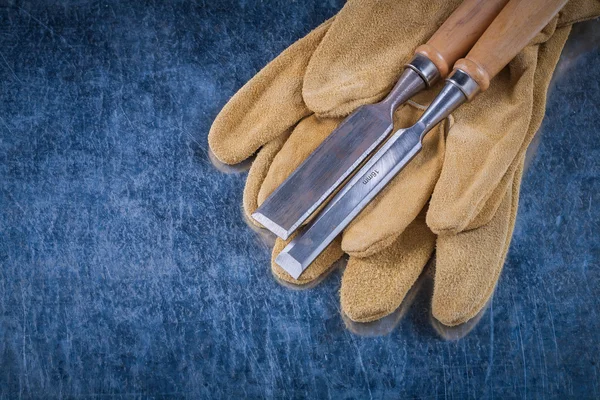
127	268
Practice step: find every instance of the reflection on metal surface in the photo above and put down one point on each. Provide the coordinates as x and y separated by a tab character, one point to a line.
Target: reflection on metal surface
380	327
267	240
387	324
229	169
266	237
459	331
421	291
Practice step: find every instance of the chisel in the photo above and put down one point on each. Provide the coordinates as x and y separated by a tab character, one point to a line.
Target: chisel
509	33
361	132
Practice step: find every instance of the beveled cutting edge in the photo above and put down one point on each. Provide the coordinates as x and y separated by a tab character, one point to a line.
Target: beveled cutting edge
347	147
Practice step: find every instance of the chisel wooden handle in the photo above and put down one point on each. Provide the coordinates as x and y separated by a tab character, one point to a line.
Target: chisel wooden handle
459	32
510	32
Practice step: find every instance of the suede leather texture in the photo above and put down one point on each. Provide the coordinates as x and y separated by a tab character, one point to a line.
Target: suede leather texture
470	168
127	270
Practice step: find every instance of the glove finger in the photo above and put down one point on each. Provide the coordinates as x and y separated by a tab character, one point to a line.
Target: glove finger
363	53
373	287
266	106
491	206
489	134
387	216
258	172
305	138
322	264
469	263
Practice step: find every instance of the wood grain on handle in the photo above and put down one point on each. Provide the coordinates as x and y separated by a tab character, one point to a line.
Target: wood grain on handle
459	32
510	32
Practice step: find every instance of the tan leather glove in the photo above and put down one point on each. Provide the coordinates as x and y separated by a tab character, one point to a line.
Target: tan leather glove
472	177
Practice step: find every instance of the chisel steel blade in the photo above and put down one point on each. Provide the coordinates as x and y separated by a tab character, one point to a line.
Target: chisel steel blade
333	161
370	180
385	164
348	146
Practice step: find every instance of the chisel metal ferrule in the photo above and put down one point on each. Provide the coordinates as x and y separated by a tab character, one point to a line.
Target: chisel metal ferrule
465	83
425	68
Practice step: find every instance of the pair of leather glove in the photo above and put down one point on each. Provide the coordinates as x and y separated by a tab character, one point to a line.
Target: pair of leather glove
459	195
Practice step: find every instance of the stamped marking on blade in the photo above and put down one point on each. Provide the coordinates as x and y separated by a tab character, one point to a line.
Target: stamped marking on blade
370	176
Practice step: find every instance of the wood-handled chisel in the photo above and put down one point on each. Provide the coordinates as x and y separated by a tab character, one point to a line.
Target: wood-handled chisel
359	134
509	33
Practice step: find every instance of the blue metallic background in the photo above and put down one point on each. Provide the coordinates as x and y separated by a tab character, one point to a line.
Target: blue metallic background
127	268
